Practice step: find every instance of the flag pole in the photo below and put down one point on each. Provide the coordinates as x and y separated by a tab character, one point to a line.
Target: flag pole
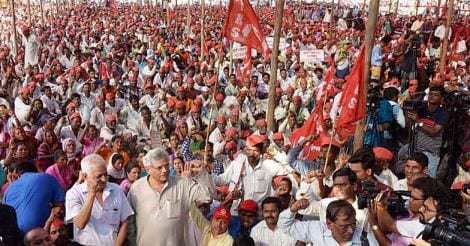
13	25
231	58
369	43
29	13
188	20
329	147
274	54
203	3
209	126
42	13
445	43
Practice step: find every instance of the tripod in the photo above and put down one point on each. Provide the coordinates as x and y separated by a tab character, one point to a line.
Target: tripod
372	136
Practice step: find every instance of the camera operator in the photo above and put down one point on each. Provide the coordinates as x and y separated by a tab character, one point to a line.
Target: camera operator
391	134
428	199
379	118
431	122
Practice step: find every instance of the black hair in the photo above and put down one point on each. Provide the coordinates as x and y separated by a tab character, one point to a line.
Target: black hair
339	208
244	240
116	157
59	153
391	92
346	171
386	39
432	187
365	156
133	97
131	166
116	137
438	88
266	74
272	200
24	167
420	158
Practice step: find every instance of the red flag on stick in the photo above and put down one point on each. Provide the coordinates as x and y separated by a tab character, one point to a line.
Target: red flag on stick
352	104
313	125
243	26
112	5
327	89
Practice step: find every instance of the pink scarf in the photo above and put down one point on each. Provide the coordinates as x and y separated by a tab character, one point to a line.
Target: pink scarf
64	177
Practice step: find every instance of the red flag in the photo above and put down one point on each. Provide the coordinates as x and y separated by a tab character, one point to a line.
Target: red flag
313	125
112	5
243	26
327	89
352	103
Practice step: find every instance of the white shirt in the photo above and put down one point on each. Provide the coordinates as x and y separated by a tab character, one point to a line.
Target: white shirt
315	231
31	47
103	226
97	118
51	104
263	236
21	110
411	228
401	184
67	132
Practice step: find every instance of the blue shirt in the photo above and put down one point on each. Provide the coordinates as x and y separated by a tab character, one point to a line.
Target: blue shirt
377	56
31	197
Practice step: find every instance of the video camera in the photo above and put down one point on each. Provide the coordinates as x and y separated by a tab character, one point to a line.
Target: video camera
453	229
456	100
415	103
373	98
396	205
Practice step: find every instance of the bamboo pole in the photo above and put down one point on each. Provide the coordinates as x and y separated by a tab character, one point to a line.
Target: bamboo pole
417	6
369	43
231	58
29	13
42	13
203	3
445	43
13	26
274	54
188	20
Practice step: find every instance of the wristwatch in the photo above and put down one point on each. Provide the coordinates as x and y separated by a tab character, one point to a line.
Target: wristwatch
375	227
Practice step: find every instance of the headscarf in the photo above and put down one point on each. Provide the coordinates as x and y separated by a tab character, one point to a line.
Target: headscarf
178	130
70	156
113	172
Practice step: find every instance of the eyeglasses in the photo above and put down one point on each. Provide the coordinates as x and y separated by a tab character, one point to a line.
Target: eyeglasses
346	226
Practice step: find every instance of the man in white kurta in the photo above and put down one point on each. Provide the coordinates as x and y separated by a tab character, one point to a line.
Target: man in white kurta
31	47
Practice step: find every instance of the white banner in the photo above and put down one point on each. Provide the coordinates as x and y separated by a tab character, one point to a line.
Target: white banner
282	43
239	51
312	56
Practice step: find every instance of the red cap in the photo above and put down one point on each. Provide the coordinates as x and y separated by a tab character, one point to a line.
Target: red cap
56	223
99	98
180	89
277	136
383	153
180	104
110	117
194	109
277	179
290	89
190	81
25	90
71	105
170	103
222	189
297	99
231	131
110	96
212	80
254	140
231	146
39	76
222	213
248	206
219	97
198	101
261	123
458	185
221	119
75	115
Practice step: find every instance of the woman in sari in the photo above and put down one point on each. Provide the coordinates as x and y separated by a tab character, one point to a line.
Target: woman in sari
74	157
62	172
46	151
92	141
19	136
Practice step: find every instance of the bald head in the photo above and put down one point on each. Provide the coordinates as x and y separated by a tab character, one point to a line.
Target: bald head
37	237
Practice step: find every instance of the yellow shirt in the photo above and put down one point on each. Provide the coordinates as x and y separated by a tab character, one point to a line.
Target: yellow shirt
207	239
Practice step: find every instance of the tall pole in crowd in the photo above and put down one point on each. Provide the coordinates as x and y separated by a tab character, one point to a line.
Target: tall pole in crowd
42	13
13	25
369	43
445	43
203	3
274	54
29	13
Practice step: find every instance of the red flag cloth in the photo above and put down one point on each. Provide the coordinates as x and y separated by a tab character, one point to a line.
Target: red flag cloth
243	26
327	89
112	5
314	125
243	70
352	103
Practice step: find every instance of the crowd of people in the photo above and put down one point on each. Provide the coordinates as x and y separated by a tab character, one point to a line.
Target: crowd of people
118	127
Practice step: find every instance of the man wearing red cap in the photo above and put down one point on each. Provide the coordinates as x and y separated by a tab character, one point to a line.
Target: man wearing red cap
31	46
262	128
97	113
217	136
247	218
23	105
150	99
383	157
251	172
215	231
